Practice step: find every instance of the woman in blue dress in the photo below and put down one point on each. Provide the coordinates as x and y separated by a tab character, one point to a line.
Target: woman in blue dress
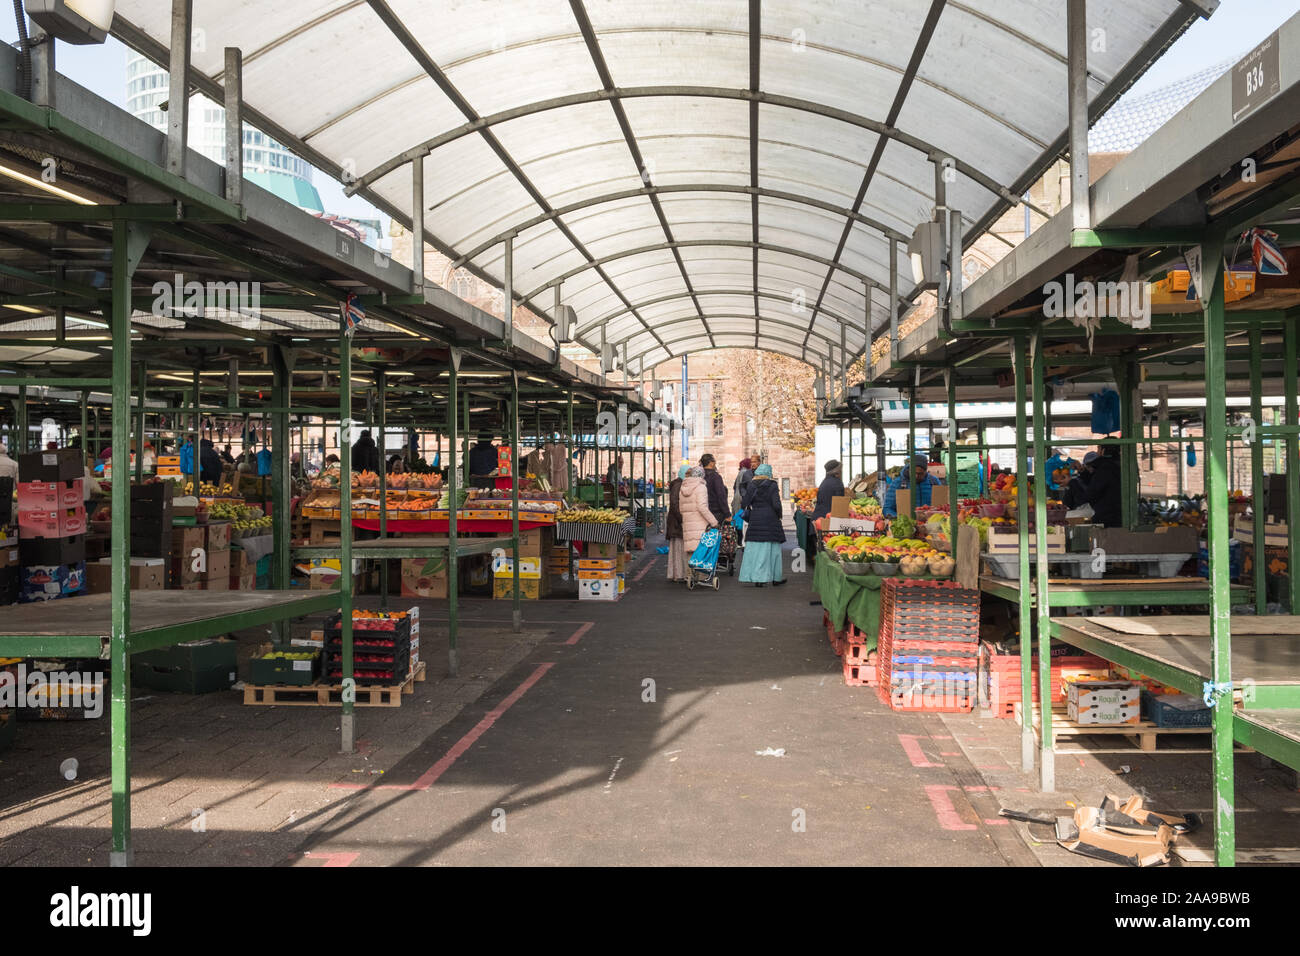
765	534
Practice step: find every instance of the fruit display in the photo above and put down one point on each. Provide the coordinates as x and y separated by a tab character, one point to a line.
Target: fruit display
403	480
288	656
805	499
593	515
244	519
913	557
864	506
208	490
328	478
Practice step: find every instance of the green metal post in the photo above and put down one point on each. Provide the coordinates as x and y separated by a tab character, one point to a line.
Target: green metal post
1047	757
345	536
568	445
1257	471
908	469
381	383
1291	465
20	420
954	526
464	460
129	243
1131	425
139	428
517	613
85	439
1026	593
198	427
281	382
453	562
1218	535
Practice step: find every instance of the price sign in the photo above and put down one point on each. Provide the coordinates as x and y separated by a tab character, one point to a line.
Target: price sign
1255	79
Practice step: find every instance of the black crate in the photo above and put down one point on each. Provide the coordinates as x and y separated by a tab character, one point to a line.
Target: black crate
38	551
62	464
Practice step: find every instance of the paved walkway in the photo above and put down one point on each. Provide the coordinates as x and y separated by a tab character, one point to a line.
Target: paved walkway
644	731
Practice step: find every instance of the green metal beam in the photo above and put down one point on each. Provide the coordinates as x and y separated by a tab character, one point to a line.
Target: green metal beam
130	212
1132	238
44	118
1291	419
1047	754
1218	535
1019	357
1257	474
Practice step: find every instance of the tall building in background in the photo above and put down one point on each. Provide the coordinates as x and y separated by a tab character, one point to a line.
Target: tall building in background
266	163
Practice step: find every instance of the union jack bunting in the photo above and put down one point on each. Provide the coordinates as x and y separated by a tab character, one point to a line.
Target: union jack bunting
1265	252
353	313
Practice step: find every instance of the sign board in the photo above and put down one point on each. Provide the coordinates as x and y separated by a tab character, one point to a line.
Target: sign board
1255	78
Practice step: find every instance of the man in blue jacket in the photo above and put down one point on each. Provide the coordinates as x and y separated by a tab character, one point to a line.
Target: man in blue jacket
924	482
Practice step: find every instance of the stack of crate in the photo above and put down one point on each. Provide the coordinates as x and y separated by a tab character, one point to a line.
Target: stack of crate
927	659
9	554
1000	674
51	524
381	648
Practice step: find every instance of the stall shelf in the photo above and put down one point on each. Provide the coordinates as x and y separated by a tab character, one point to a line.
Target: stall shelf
1126	592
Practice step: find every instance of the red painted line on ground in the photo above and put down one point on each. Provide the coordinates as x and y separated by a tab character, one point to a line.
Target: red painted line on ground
937	737
333	859
430	776
577	635
948	816
998	822
948	753
914	751
644	571
980	788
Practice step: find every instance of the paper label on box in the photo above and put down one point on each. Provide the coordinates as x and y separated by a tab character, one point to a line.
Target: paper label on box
302	665
306	642
49	461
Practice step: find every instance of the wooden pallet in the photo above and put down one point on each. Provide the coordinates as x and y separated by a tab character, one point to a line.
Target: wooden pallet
1144	734
331	695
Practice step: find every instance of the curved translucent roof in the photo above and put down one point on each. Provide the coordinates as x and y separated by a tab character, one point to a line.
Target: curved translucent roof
693	175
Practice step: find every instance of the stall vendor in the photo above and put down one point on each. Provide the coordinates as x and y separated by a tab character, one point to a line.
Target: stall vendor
1097	484
482	462
832	486
924	482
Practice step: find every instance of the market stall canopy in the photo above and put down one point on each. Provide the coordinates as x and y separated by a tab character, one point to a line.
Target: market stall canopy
692	176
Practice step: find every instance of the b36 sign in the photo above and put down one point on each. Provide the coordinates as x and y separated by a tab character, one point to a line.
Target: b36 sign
1255	79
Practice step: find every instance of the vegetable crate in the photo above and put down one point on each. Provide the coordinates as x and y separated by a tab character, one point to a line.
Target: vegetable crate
928	654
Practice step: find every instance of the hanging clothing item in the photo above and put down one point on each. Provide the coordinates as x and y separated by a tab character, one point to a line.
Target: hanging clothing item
264	463
1105	411
187	458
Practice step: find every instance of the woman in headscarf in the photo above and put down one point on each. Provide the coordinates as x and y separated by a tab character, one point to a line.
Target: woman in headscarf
693	499
741	485
765	535
673	529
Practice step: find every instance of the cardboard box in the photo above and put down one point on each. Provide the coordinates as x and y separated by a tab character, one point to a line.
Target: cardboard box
45	583
1104	716
62	464
9	556
535	542
1118	541
1003	541
597	564
51	495
199	667
36	551
530	589
840	506
218	573
60	523
939	497
424	578
186	545
599	590
1104	702
218	536
596	549
591	574
143	577
1275	532
528	568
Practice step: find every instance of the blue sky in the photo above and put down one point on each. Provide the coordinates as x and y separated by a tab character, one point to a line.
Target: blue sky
1234	29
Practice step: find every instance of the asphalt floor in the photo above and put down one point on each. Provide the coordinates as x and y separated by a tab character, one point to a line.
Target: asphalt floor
672	727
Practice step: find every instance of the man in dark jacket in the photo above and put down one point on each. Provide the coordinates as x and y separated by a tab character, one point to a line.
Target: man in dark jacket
717	490
365	453
209	462
482	462
1098	484
831	487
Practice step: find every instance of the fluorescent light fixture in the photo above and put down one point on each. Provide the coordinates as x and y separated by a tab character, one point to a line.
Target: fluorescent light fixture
925	252
82	22
42	184
25	308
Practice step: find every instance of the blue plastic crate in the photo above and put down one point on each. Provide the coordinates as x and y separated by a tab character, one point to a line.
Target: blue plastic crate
1164	713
